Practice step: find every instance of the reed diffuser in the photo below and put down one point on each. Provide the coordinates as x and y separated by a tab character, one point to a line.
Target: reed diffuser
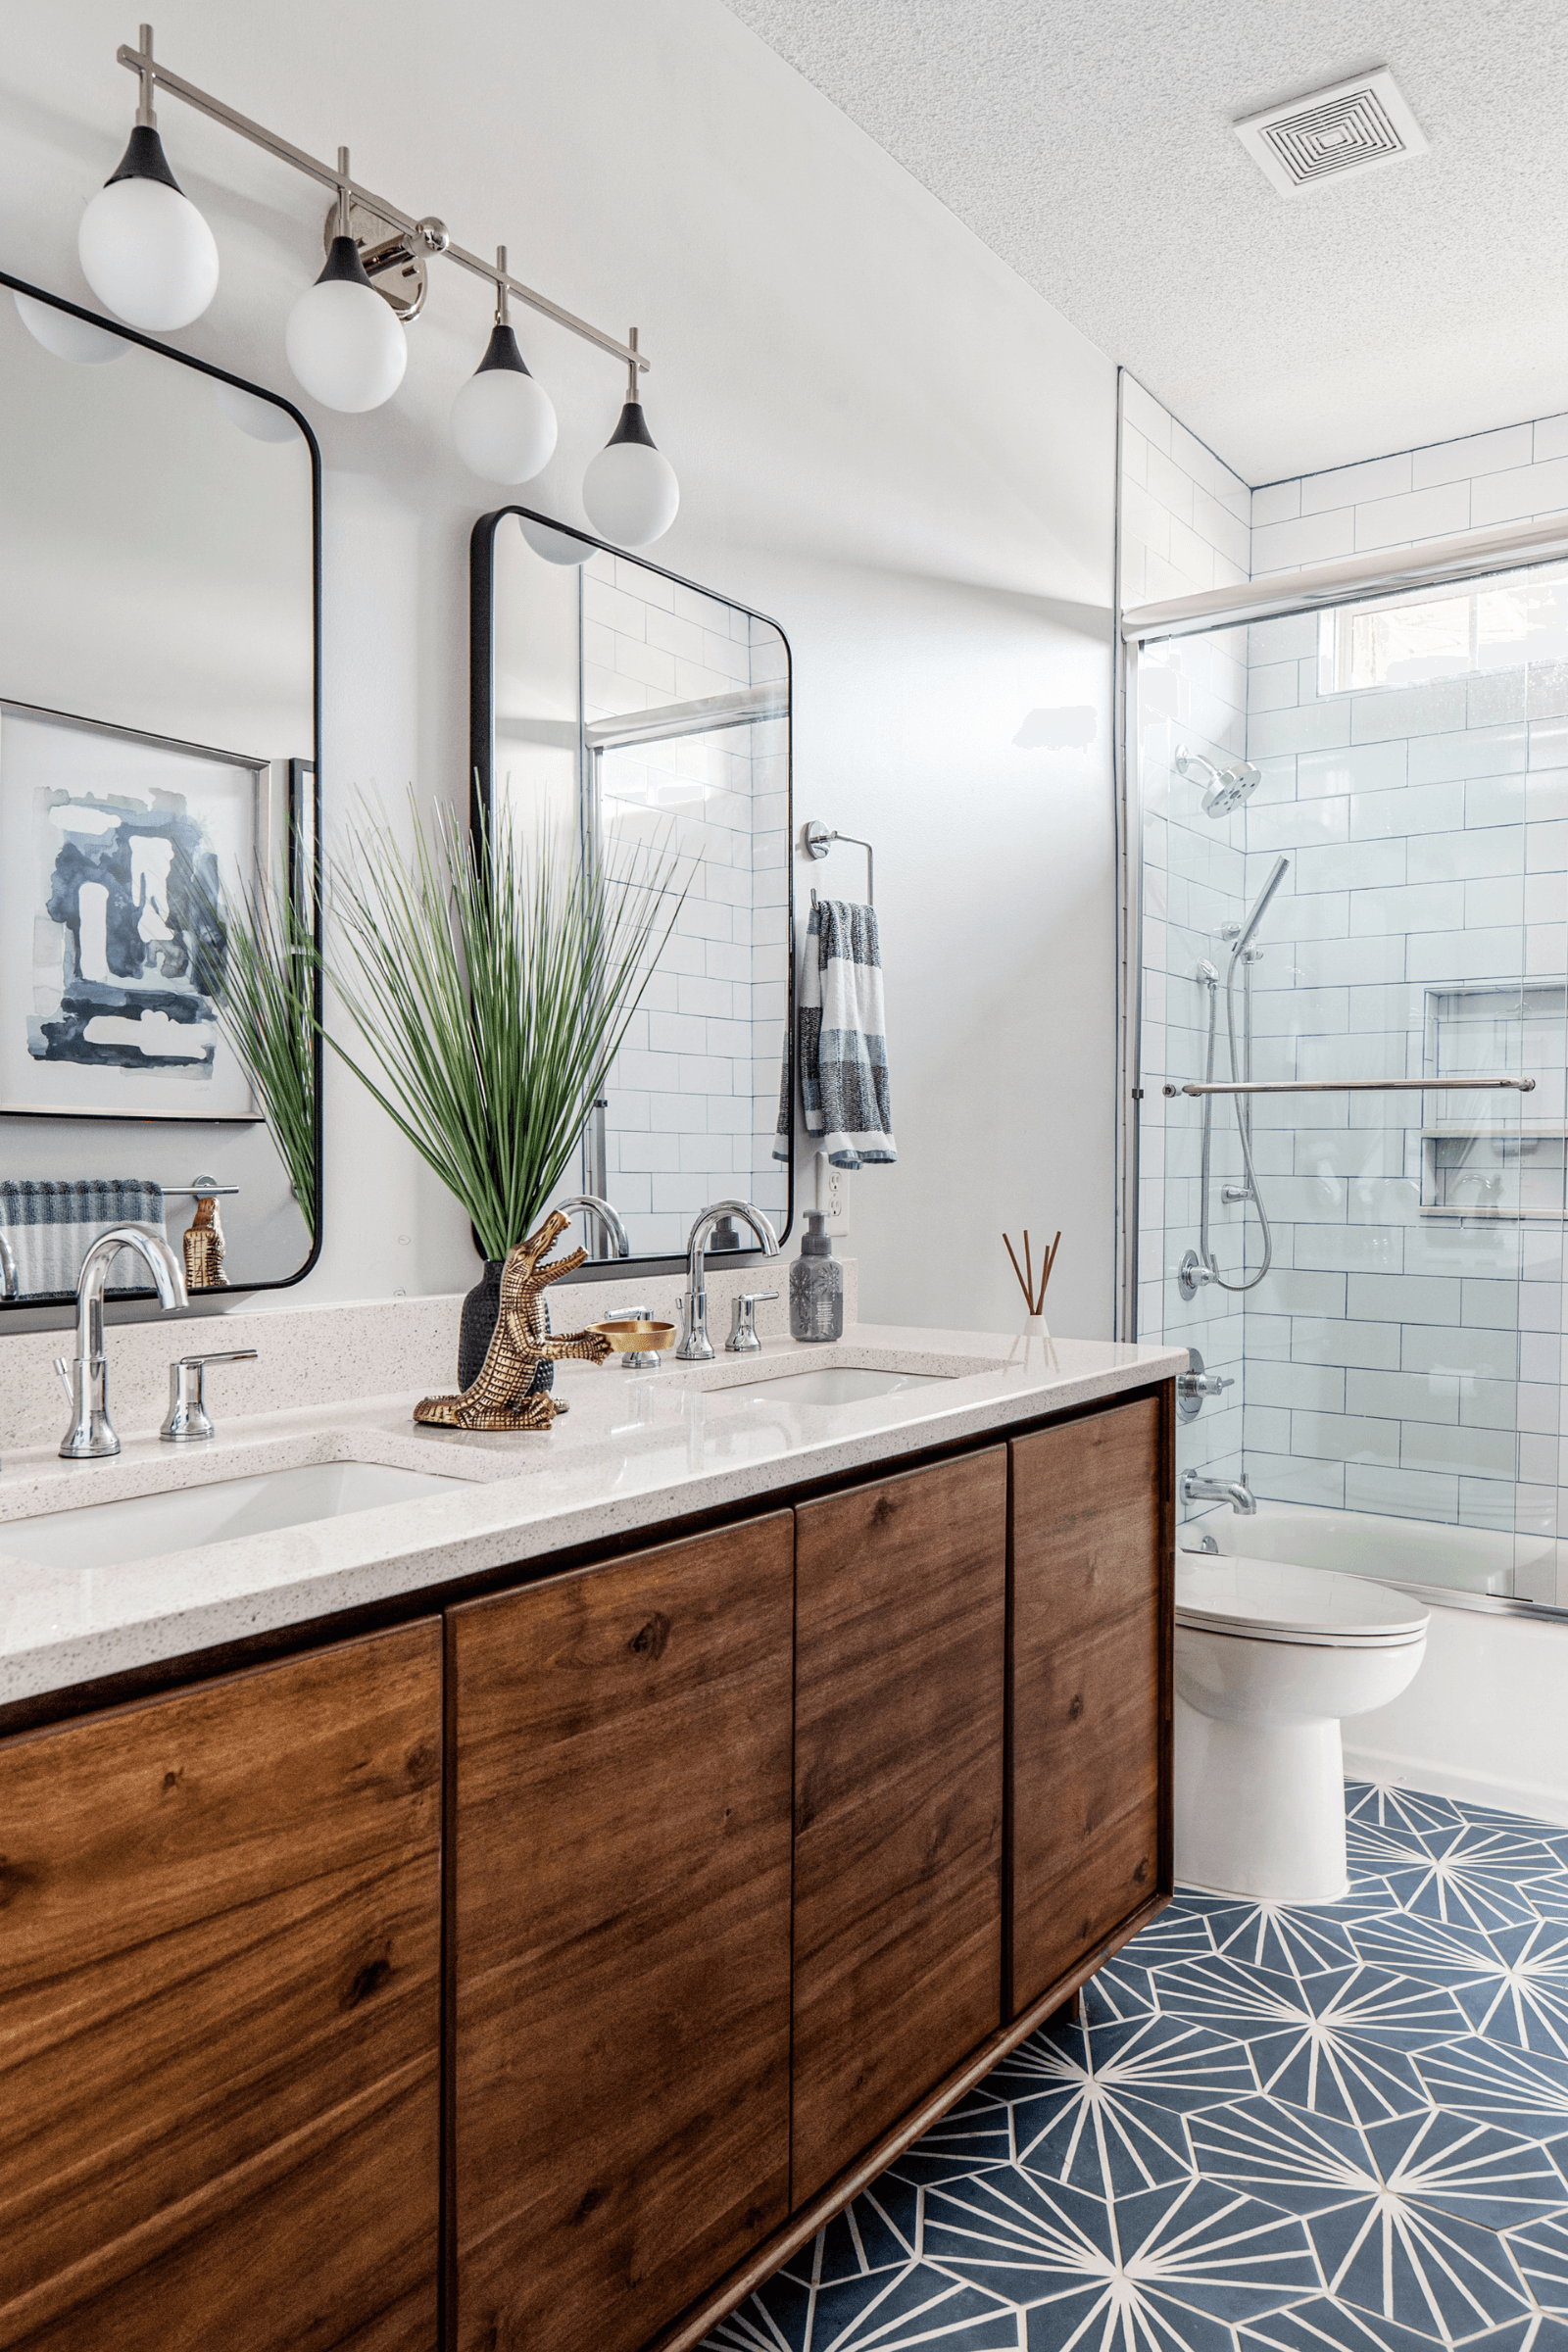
1033	1300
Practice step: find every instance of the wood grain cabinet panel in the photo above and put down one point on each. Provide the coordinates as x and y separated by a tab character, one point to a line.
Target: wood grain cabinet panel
1090	1700
220	2014
620	1938
901	1589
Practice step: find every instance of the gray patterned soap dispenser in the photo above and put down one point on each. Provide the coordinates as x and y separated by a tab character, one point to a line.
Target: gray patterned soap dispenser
817	1285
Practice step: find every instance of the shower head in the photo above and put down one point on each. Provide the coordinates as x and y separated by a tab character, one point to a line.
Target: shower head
1224	788
1261	907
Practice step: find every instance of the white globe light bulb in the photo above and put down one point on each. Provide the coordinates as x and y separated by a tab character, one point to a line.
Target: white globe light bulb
67	336
344	343
503	424
555	546
629	490
145	250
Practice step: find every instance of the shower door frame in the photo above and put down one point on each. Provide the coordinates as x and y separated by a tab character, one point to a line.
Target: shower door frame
1318	587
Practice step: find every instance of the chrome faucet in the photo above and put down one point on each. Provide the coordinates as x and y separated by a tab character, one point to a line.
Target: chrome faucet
694	1345
594	1204
91	1435
1196	1488
10	1280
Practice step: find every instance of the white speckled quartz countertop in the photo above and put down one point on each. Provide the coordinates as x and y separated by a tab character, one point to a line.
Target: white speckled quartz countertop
635	1452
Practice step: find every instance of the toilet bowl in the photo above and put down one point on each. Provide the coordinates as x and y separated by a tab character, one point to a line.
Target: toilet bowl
1270	1660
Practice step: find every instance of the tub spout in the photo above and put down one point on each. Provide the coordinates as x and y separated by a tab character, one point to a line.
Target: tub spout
1196	1488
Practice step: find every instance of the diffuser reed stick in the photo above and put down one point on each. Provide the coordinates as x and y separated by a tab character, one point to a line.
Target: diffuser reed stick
1034	1301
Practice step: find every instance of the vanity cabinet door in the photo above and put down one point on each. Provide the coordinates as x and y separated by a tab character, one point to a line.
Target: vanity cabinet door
899	1684
620	1937
220	2014
1090	1704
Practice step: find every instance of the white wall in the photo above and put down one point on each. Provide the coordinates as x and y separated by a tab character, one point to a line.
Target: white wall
883	439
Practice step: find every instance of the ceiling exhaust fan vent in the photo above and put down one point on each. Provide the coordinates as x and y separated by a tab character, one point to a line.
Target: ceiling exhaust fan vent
1311	142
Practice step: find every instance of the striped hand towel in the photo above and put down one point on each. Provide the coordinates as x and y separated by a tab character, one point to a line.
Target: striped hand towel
51	1223
843	1051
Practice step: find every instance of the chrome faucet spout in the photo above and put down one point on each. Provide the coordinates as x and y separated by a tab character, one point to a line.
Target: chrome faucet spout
1196	1488
91	1436
695	1346
594	1204
10	1280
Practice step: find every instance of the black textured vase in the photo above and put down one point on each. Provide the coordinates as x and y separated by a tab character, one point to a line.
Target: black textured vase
482	1308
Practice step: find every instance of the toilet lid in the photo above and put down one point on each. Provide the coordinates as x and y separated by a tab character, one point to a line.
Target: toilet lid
1272	1601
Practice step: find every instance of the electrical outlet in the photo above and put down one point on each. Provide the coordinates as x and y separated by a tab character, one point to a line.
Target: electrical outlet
833	1194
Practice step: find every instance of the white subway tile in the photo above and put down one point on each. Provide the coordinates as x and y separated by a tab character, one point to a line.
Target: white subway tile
1373	865
1408	1299
1418	810
1405	1395
1272	686
1518	491
1408	711
1277	501
1469	753
1134	455
1478	453
1431	514
1140	409
1549	437
1352	485
1318	728
1351	767
1312	539
1400	1493
1466	855
1346	1438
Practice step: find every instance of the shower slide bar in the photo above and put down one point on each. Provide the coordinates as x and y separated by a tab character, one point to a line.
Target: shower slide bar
1346	1086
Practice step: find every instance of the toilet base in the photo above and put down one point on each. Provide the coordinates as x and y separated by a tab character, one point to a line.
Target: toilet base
1261	1808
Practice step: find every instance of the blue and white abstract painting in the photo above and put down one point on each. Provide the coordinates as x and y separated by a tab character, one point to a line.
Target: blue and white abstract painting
115	857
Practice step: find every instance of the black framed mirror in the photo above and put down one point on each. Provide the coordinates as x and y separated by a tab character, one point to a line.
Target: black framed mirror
616	698
160	806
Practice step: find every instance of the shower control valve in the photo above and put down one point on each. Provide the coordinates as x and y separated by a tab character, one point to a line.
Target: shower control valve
1192	1274
1192	1385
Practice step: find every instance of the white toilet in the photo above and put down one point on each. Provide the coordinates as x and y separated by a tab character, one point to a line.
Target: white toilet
1269	1659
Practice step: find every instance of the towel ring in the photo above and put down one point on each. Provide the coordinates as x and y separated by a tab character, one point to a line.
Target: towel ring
816	840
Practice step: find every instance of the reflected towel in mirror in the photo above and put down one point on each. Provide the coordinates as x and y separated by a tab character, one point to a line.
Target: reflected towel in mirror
51	1223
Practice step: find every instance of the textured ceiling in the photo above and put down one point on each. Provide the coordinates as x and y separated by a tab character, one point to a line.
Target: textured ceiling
1090	146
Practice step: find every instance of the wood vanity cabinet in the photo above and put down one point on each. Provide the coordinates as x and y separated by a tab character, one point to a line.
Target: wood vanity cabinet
618	1939
901	1601
1089	1700
220	2013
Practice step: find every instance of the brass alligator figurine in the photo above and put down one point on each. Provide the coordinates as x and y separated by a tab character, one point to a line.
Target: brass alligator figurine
505	1395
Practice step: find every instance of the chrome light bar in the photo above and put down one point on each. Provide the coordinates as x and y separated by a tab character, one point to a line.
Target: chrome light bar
424	237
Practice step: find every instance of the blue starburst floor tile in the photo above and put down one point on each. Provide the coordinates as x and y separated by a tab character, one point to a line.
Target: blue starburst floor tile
1326	2326
1340	2042
1541	2251
1340	2128
1104	2109
1386	1806
1495	2084
1179	2264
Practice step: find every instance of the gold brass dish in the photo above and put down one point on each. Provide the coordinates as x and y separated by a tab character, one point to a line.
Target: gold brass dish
638	1344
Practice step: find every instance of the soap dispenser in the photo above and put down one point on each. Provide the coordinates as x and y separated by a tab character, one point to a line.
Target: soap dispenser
817	1285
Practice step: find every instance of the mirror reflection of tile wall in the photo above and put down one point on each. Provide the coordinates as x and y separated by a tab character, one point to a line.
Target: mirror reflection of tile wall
670	753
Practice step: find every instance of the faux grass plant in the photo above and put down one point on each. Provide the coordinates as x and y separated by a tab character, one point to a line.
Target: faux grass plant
493	993
264	1000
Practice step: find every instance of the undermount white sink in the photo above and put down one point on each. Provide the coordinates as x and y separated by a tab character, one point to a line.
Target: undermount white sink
105	1535
831	1384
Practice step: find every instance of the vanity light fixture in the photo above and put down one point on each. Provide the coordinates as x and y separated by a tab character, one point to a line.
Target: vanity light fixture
345	344
145	250
149	256
503	422
629	490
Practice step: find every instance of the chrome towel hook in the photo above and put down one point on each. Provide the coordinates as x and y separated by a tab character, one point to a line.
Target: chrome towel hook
816	840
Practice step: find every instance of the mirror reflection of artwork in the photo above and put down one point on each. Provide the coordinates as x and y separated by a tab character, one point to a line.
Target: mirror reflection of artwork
111	904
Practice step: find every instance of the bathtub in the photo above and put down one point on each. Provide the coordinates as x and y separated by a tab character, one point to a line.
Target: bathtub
1486	1720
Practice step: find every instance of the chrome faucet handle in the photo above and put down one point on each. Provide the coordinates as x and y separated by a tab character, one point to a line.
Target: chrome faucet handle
742	1339
189	1421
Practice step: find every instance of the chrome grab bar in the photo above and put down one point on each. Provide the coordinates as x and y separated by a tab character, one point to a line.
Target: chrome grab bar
1344	1086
